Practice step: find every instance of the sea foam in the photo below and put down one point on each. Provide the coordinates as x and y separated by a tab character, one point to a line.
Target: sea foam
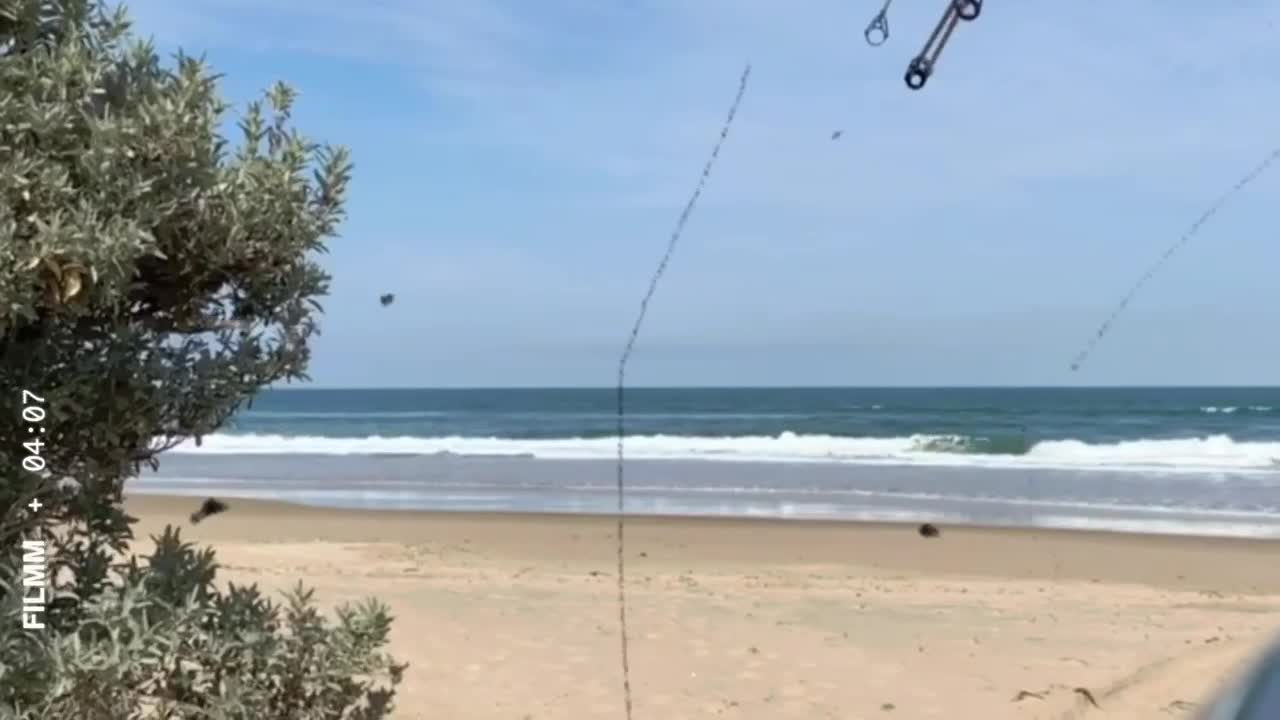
1210	453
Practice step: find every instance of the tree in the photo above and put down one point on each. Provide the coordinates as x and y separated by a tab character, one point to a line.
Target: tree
152	279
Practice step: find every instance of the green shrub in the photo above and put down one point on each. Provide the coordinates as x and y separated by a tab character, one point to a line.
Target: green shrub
152	279
169	643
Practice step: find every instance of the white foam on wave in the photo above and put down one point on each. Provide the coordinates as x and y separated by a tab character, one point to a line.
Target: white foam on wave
1160	527
1203	526
1214	453
1230	409
843	496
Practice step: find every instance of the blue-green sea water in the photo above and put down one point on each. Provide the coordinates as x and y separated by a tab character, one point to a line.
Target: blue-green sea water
1203	460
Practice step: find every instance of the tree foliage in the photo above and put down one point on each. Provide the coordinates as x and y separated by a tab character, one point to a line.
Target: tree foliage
153	277
167	642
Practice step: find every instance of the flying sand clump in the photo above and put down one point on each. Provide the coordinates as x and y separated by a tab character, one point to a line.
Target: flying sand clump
212	506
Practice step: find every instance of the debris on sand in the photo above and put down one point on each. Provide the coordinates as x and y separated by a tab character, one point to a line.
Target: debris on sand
1024	694
929	531
1087	696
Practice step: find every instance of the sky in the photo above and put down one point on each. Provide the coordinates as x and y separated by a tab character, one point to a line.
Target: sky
520	167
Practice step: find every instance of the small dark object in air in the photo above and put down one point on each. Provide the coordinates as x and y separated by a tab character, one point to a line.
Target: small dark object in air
929	531
836	135
387	299
1087	696
212	506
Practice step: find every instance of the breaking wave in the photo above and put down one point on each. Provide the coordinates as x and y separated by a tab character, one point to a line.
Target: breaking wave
1210	453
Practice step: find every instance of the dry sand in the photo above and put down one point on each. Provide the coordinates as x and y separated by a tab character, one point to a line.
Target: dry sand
515	616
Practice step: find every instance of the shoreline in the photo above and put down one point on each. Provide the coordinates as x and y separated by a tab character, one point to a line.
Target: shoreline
1188	504
259	504
1172	561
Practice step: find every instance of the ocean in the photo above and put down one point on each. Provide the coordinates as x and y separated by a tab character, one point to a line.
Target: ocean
1181	460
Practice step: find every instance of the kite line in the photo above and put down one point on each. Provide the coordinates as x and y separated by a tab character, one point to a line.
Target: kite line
1191	232
622	373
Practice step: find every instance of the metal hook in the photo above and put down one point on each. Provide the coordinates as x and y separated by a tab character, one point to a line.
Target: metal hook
878	27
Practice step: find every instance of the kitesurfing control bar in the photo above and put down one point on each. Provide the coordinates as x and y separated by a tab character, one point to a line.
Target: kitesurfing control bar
922	65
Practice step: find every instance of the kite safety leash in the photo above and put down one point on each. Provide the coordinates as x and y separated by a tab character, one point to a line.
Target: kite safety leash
877	31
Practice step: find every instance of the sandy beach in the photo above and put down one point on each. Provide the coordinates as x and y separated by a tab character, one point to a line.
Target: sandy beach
515	616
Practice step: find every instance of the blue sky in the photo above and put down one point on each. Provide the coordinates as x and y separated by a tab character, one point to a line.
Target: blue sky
520	164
